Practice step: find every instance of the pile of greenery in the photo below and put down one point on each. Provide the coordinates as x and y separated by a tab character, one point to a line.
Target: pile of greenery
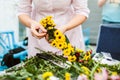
33	68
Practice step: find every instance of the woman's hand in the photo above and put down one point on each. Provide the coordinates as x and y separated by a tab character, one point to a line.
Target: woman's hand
37	30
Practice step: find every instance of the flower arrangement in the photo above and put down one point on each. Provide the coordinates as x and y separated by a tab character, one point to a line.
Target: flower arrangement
73	64
59	40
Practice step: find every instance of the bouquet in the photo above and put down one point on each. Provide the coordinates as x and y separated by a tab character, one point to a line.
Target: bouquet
59	40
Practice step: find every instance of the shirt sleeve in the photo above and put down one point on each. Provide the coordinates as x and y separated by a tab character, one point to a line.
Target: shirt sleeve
24	7
81	7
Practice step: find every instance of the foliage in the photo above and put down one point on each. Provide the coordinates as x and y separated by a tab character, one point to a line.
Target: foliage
34	67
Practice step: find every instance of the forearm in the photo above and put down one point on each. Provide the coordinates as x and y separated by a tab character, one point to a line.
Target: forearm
25	20
101	2
77	20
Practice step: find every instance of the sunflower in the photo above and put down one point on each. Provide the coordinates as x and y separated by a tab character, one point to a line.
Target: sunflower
87	56
46	75
60	38
60	45
57	33
66	52
67	76
72	58
53	43
48	18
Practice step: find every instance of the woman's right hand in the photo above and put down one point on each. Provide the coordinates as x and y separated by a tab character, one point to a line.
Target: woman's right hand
37	30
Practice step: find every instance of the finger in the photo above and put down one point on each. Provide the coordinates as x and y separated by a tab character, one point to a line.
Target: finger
43	29
46	37
38	36
35	36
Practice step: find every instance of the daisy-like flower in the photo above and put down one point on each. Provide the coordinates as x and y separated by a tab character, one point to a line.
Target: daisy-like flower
60	38
87	56
71	47
43	22
49	23
48	18
65	45
72	58
72	50
44	25
53	43
57	33
46	75
66	52
67	76
60	45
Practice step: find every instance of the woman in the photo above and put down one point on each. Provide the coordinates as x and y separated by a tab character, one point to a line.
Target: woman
67	14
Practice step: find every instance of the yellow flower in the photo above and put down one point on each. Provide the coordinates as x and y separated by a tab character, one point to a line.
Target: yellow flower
60	45
54	43
98	70
57	33
87	56
72	58
114	73
72	49
49	28
79	50
67	76
60	38
53	25
85	70
48	79
66	52
69	45
28	78
48	18
46	75
44	25
49	23
65	45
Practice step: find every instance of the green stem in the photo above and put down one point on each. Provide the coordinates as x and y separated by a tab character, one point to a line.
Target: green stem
93	71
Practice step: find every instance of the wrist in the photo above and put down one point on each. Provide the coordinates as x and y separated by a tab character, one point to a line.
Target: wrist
32	23
65	28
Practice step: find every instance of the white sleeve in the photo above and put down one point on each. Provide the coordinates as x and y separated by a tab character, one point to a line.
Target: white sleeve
24	7
81	7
